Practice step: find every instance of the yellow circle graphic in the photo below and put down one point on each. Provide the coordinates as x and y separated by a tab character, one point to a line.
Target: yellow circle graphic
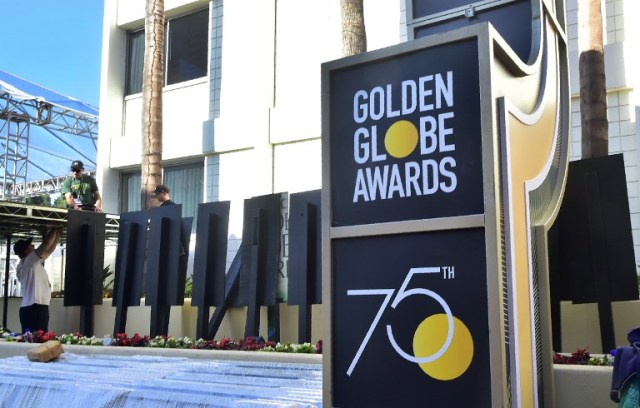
429	338
401	139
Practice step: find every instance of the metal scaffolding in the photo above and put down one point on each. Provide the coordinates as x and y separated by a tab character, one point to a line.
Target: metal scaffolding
16	151
41	133
22	220
69	124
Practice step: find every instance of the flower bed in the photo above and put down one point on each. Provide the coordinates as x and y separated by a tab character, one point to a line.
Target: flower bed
582	357
122	339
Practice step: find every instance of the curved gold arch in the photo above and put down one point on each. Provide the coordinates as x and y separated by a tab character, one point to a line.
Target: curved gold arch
533	132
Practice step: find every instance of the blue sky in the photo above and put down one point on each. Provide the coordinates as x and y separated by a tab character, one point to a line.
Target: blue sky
54	43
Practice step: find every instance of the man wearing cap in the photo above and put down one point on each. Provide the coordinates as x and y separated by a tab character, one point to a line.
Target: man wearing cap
80	190
162	195
36	289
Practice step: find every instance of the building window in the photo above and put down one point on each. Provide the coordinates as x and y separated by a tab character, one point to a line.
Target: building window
186	51
186	186
185	183
130	188
135	63
187	45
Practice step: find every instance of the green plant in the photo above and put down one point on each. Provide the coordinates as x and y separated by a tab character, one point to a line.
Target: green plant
43	200
284	348
582	356
107	281
188	286
60	202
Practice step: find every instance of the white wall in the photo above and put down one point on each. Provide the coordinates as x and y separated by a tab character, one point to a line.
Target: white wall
181	127
266	132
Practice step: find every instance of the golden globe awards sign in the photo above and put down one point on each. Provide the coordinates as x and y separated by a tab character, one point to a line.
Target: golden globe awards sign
409	321
444	163
405	138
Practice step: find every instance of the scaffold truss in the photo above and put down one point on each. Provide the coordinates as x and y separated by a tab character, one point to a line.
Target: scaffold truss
55	118
27	109
39	187
21	220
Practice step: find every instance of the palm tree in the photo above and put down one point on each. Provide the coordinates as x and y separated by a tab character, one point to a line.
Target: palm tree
593	87
354	36
153	81
595	134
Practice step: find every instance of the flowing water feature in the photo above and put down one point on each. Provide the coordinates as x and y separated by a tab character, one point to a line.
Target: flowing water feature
152	381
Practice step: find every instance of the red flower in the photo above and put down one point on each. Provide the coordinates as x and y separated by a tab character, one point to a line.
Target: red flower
139	341
225	343
121	340
49	336
580	356
207	345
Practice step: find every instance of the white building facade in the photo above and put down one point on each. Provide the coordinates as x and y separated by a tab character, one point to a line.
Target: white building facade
246	121
242	105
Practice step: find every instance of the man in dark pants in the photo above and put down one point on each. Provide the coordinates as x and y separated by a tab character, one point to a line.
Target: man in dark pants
36	289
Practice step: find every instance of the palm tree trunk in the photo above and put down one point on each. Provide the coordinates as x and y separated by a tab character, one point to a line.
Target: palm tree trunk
153	81
354	36
593	87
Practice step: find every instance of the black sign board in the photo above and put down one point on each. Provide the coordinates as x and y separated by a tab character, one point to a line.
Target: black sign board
595	197
261	232
210	259
163	280
84	258
512	19
130	257
405	137
304	267
407	289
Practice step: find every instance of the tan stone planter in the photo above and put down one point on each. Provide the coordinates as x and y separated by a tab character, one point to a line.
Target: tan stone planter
582	386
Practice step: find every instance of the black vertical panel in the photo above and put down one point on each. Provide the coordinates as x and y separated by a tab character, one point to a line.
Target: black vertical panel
163	256
84	258
269	249
578	242
130	255
180	278
514	21
305	242
424	8
256	272
209	262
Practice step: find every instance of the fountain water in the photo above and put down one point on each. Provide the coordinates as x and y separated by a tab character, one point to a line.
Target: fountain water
154	381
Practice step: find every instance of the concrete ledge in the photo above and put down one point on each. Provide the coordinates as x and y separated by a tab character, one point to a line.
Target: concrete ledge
10	349
582	386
